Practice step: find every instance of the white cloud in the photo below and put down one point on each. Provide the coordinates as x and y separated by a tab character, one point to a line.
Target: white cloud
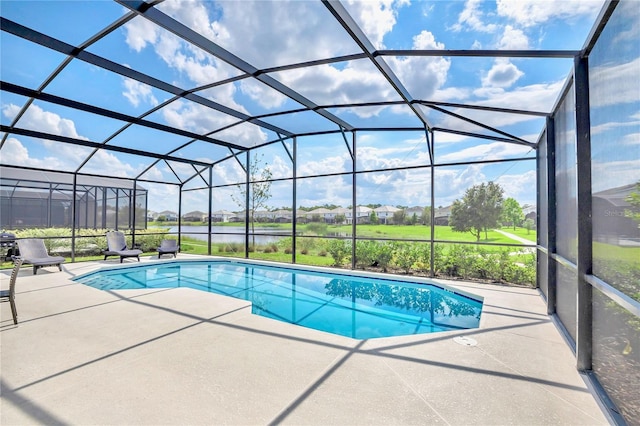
610	125
61	157
376	18
44	121
450	184
200	119
487	151
66	156
139	32
540	97
513	39
614	84
472	17
137	92
334	164
422	76
631	139
502	74
532	12
264	95
15	152
403	153
358	81
519	186
612	174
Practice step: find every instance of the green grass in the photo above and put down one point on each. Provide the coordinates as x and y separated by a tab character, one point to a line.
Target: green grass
612	252
402	232
521	232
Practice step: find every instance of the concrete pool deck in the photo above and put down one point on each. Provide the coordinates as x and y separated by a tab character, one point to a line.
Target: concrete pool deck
179	356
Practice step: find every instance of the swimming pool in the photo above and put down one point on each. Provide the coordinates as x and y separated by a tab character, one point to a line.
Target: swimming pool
350	305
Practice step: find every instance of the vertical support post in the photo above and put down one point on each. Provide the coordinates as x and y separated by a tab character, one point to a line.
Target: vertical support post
294	219
432	211
210	211
246	210
49	203
353	201
179	214
552	267
132	215
103	192
585	258
146	209
116	215
73	217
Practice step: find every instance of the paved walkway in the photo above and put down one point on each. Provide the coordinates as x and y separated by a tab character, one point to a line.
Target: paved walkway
84	356
515	237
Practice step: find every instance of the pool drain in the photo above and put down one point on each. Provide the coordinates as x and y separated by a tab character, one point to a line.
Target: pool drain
465	341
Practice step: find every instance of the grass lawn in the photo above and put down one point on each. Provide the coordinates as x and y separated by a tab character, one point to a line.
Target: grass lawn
389	231
522	233
604	251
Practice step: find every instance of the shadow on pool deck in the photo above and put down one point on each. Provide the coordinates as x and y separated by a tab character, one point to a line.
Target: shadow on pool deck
181	356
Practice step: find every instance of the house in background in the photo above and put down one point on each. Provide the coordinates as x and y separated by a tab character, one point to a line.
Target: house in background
441	216
221	216
168	215
194	216
613	220
385	213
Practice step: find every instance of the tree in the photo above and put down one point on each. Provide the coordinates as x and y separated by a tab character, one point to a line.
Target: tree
340	219
259	191
398	217
426	216
478	210
512	212
373	218
528	225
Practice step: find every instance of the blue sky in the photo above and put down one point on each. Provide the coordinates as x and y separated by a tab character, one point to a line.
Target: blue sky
267	34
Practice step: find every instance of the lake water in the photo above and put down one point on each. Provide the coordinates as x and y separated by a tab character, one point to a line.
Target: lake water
232	234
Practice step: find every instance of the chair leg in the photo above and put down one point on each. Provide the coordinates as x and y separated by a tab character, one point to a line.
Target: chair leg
60	267
35	269
14	311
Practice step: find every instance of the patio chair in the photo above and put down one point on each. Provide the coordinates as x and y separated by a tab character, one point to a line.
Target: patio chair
117	246
10	295
168	247
34	252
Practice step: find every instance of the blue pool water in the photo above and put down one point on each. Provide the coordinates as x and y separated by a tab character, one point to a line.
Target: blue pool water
348	305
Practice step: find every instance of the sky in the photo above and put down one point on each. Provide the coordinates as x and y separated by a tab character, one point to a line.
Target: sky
267	34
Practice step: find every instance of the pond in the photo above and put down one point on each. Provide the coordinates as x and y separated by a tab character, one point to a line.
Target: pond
232	234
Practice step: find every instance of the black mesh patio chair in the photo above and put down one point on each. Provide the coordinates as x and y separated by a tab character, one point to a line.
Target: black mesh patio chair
168	247
10	294
117	246
34	252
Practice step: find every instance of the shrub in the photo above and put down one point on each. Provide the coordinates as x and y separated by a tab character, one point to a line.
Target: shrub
306	243
322	253
288	250
384	255
339	250
366	253
404	255
268	250
304	251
